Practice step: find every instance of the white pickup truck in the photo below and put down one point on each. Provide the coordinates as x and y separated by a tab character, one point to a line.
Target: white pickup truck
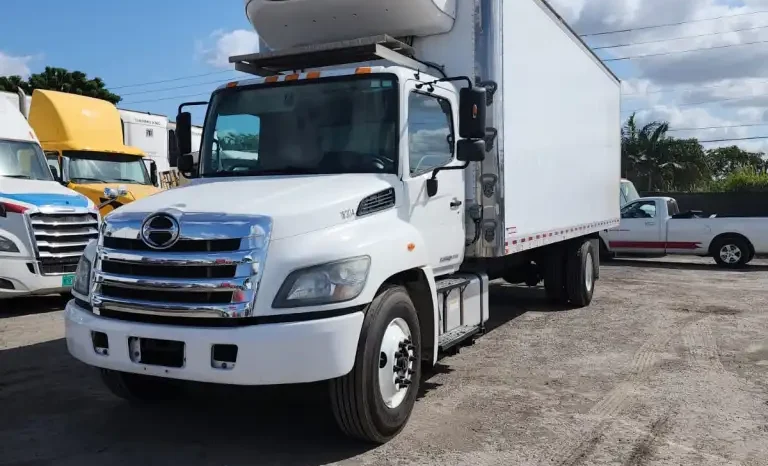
655	226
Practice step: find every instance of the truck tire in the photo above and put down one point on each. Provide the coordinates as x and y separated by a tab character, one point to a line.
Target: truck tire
580	272
139	388
374	401
731	252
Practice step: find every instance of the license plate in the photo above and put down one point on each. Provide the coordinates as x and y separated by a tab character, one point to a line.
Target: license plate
67	280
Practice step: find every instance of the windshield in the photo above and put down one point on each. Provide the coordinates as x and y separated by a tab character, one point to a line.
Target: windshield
104	167
344	125
628	192
23	160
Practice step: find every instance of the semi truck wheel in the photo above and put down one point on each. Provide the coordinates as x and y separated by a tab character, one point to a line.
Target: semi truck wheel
374	401
139	388
580	272
732	252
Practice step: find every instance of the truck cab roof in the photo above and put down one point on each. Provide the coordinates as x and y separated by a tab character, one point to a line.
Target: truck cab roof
66	121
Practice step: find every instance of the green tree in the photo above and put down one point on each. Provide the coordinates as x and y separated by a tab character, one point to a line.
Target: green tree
645	153
726	160
59	79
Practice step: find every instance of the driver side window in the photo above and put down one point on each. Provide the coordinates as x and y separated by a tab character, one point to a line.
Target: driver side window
644	209
430	133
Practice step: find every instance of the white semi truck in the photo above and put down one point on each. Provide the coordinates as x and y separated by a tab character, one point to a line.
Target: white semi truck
44	227
399	155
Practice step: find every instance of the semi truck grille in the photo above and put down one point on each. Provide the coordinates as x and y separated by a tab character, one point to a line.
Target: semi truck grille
61	238
200	276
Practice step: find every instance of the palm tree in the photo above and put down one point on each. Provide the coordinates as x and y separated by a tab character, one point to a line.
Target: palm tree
644	151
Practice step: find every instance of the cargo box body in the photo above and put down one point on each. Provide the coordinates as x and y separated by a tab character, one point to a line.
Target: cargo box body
553	170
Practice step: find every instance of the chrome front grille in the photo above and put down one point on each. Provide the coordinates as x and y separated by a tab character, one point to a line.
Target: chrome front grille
213	270
60	239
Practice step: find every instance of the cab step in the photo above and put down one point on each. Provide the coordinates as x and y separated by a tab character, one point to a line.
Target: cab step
457	336
462	302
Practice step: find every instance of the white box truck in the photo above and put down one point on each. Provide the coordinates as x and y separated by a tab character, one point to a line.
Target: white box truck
353	201
149	133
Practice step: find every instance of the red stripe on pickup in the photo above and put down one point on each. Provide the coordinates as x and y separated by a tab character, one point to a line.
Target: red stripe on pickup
655	244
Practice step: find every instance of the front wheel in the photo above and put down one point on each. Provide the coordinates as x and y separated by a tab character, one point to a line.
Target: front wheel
374	401
732	252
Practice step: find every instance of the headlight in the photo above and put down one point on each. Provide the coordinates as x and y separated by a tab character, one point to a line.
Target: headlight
6	245
82	282
334	282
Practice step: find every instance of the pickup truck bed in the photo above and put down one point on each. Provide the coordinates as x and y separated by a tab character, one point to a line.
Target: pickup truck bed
649	227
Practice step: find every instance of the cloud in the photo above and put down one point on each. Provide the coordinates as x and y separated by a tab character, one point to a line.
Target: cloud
220	45
723	86
15	66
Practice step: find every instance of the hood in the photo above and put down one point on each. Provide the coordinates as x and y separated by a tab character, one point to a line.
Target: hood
135	191
297	204
41	193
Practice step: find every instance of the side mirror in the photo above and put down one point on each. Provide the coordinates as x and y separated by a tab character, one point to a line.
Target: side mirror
472	106
153	172
184	133
186	163
470	150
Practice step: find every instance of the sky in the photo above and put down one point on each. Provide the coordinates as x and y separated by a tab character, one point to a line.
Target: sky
131	42
186	45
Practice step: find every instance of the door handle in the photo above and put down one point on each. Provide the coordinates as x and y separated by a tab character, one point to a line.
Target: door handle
455	204
650	224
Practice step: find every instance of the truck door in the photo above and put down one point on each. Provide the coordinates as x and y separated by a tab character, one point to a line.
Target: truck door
641	230
431	144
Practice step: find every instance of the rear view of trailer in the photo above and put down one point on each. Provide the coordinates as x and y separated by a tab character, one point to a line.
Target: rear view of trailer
557	117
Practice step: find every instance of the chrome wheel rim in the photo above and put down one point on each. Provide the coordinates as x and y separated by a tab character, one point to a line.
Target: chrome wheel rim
730	254
396	360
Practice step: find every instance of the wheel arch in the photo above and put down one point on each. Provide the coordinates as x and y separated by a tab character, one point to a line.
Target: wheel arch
723	236
420	285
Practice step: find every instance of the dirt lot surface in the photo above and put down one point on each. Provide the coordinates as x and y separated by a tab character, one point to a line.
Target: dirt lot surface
669	366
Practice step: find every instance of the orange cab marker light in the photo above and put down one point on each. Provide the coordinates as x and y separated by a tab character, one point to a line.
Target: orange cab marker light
232	84
363	70
292	77
411	246
271	79
313	75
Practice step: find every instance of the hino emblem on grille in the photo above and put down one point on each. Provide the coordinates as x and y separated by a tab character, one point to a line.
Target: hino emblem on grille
160	231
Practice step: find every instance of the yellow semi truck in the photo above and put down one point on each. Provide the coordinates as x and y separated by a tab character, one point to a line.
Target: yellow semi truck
83	143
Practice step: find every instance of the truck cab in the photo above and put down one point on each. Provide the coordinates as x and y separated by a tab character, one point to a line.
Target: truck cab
83	144
44	226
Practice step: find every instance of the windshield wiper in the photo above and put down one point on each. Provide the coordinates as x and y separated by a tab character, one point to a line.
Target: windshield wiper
281	171
21	177
80	178
129	180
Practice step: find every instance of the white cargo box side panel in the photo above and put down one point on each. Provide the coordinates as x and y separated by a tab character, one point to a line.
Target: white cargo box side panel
149	133
562	143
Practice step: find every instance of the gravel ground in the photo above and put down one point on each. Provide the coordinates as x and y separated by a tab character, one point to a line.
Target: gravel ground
669	365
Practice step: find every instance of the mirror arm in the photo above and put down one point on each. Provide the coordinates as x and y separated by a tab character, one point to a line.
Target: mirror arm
455	167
